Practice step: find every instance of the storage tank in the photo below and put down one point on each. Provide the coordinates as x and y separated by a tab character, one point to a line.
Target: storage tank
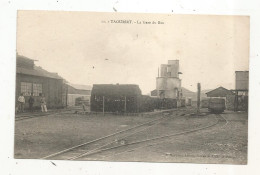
163	70
173	68
161	83
173	87
168	85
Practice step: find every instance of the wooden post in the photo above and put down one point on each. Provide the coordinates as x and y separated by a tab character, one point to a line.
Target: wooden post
198	98
103	105
125	104
67	89
236	101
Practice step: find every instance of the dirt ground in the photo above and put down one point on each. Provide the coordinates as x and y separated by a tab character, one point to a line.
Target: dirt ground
225	144
41	136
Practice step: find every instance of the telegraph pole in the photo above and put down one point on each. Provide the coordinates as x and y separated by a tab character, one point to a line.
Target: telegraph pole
198	98
125	104
103	105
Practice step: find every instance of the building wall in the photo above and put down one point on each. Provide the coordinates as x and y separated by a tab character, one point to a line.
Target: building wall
71	101
242	80
230	102
173	68
169	85
163	70
51	88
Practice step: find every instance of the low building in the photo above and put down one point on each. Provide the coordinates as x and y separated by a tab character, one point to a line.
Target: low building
32	79
219	92
78	94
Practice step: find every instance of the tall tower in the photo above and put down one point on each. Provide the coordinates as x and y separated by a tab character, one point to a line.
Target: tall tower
168	84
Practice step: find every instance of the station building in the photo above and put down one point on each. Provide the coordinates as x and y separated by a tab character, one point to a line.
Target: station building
32	79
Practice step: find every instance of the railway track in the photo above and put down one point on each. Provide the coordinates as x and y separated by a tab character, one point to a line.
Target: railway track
29	116
107	146
100	143
120	149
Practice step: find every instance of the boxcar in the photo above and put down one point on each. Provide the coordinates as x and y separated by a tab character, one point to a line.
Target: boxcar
216	105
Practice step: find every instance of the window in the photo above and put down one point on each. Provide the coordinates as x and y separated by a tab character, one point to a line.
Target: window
26	88
37	89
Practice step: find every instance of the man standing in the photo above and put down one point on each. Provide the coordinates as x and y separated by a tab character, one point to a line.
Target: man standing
43	103
21	102
31	101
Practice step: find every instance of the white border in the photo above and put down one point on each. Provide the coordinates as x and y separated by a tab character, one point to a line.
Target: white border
8	11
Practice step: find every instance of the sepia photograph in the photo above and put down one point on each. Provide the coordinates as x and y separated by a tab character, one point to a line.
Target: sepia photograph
131	87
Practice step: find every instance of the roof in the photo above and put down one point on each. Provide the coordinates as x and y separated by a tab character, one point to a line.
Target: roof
242	71
22	61
25	58
116	89
219	92
81	87
25	65
37	71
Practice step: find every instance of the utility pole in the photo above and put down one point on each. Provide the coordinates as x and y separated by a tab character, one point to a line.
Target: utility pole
103	105
198	98
125	104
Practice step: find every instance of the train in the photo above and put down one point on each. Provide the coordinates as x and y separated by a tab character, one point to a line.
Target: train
127	98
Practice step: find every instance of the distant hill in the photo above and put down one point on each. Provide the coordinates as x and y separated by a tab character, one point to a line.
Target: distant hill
188	93
193	95
203	92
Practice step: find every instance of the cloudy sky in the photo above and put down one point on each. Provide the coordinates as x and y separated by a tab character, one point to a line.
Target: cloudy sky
85	49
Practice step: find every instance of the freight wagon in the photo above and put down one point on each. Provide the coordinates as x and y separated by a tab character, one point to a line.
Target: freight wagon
216	105
126	98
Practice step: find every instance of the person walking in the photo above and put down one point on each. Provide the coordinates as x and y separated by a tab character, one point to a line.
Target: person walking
31	101
21	101
43	103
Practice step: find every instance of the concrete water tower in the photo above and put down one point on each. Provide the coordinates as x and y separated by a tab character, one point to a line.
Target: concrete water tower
168	84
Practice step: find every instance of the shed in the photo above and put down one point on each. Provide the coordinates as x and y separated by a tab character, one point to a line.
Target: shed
219	92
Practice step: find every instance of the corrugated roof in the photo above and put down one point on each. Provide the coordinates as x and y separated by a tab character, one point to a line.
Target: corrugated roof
37	71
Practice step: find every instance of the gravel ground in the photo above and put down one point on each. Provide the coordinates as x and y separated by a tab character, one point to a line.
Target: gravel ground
225	144
41	136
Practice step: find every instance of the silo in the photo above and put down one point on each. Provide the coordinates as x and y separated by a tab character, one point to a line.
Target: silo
173	87
168	85
163	70
161	83
173	68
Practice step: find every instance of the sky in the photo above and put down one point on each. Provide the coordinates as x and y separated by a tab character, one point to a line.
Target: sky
86	48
